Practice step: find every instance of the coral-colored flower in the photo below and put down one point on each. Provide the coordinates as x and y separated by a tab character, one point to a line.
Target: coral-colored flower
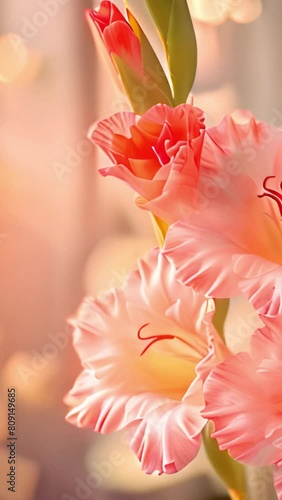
244	400
116	34
233	241
145	350
158	155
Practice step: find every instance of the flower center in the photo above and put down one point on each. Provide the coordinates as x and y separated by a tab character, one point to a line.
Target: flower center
169	372
155	338
272	193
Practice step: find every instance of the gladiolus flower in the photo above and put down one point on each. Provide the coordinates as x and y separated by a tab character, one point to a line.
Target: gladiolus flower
158	155
146	350
244	400
116	34
135	61
233	241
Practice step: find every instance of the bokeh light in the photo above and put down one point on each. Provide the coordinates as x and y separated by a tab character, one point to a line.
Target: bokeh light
219	11
18	65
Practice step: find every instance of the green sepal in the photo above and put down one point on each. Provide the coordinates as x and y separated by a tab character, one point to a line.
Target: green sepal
231	472
142	95
173	21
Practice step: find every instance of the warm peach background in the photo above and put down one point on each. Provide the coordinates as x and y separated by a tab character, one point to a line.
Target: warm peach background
65	232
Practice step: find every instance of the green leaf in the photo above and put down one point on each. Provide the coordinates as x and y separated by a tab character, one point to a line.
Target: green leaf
160	11
173	20
153	70
231	472
221	311
182	51
142	95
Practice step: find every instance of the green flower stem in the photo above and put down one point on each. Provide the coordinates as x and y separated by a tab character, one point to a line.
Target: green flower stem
221	311
232	473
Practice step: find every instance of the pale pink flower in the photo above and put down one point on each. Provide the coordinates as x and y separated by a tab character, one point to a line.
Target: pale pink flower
244	400
145	350
157	155
233	241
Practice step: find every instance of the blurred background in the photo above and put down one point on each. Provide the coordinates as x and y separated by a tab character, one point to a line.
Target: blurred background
65	232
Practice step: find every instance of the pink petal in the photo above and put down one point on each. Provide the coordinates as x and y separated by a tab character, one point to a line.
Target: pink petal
82	388
168	438
261	282
267	345
103	133
203	258
236	403
175	201
148	188
120	39
254	147
106	14
144	169
165	435
243	399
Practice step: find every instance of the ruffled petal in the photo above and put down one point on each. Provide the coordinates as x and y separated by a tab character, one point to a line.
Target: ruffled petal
252	149
261	282
113	135
164	434
203	258
234	397
168	439
243	399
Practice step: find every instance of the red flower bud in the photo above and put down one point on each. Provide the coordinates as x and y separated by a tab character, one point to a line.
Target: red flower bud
116	34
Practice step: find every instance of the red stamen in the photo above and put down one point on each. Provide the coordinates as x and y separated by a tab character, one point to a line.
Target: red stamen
271	193
154	338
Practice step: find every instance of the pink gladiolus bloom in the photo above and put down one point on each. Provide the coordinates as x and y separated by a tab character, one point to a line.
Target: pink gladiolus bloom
145	350
116	34
233	241
158	155
244	400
